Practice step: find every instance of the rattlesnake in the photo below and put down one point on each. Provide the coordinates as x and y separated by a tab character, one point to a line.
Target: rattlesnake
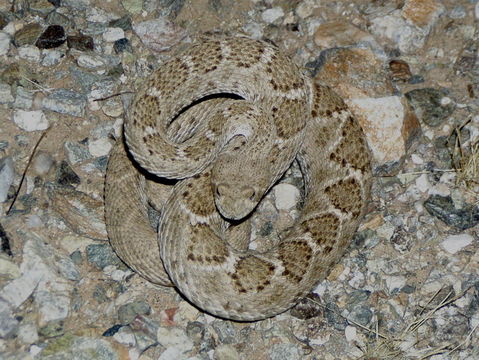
245	98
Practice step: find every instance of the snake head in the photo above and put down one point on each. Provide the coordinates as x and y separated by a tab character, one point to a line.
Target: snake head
238	184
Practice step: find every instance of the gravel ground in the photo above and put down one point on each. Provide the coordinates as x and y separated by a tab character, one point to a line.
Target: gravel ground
408	287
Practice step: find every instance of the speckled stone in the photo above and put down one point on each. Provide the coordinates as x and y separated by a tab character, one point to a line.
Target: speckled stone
427	105
128	312
66	176
443	208
102	255
27	35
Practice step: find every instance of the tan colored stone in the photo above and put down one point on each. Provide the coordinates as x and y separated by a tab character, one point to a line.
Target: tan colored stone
339	33
421	12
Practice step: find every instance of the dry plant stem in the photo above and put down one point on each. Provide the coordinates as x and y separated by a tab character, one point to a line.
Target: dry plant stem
25	171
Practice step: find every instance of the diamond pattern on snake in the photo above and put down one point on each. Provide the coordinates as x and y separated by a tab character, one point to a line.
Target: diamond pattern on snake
225	119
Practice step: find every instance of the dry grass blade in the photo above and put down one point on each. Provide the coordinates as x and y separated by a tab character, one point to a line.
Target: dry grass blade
392	348
466	161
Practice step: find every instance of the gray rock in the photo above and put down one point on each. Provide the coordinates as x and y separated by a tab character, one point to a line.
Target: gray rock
23	99
6	94
128	312
8	323
285	352
7	174
65	101
428	107
76	153
226	332
361	314
443	208
55	18
66	176
102	255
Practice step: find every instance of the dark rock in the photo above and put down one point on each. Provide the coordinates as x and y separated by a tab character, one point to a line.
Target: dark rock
333	315
76	257
307	308
443	208
52	37
361	315
112	331
121	45
66	176
427	105
56	3
122	23
5	242
80	42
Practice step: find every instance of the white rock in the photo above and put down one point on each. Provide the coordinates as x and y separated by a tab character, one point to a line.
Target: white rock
29	52
40	277
454	243
350	333
7	174
27	333
384	116
51	57
125	336
159	34
286	196
91	61
172	353
174	337
34	221
422	183
273	14
407	37
416	159
30	120
113	34
99	147
4	43
42	163
394	282
6	94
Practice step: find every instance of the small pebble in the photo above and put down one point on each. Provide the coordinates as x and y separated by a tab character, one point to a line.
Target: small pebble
29	53
113	34
286	196
455	243
30	120
273	14
4	43
80	42
99	147
7	174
